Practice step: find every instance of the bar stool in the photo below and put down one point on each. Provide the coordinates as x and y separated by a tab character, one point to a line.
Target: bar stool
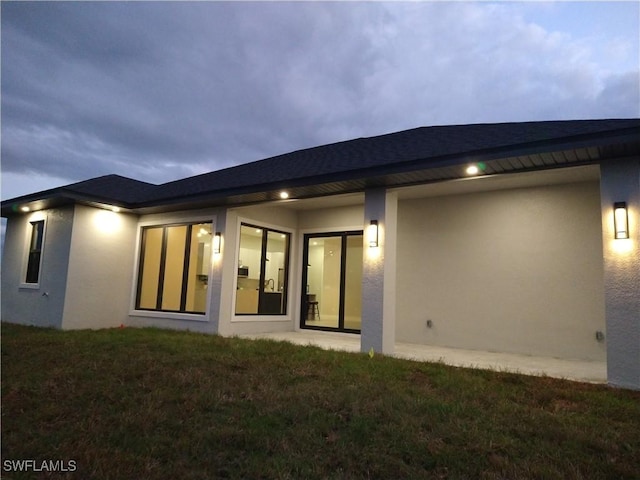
313	307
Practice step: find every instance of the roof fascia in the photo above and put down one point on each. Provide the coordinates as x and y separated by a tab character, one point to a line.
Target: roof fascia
57	197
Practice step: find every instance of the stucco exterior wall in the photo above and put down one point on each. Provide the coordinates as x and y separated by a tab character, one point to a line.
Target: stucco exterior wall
379	272
621	183
99	278
331	219
41	306
513	270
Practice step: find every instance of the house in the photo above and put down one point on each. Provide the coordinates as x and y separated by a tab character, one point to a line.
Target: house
508	237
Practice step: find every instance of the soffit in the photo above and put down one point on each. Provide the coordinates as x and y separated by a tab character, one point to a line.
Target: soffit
483	183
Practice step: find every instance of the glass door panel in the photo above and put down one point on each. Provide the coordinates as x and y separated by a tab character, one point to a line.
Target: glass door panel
332	278
323	282
353	283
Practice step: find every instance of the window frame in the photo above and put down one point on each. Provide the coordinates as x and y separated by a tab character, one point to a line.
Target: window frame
30	251
137	287
266	229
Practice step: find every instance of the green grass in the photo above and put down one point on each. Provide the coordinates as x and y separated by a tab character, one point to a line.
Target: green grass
154	404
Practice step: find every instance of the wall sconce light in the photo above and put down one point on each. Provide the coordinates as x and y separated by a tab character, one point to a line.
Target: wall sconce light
217	240
620	220
372	233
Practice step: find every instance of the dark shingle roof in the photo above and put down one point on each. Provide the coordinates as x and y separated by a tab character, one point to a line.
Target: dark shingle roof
108	189
357	163
385	151
114	188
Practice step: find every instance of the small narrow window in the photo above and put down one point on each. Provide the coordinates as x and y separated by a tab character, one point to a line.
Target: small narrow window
35	252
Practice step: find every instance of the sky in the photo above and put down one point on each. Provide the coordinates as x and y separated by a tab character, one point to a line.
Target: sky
159	91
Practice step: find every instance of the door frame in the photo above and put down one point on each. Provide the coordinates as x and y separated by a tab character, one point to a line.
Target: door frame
343	234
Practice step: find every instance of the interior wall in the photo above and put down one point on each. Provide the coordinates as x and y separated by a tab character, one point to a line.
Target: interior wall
41	306
512	270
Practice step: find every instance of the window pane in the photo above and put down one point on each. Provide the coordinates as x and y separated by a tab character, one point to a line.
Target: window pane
152	248
274	287
199	266
174	267
249	261
33	267
35	249
323	281
37	229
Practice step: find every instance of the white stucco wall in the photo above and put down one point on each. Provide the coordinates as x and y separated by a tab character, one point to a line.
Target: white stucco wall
331	219
99	278
512	270
379	274
621	183
42	306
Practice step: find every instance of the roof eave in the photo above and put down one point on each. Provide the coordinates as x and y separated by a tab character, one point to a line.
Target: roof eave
56	198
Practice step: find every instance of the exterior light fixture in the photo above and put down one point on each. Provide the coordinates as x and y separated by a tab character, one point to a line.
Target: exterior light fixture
115	209
472	170
284	195
620	220
217	241
476	168
24	209
372	233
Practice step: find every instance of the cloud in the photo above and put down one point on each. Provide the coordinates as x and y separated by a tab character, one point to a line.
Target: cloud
159	91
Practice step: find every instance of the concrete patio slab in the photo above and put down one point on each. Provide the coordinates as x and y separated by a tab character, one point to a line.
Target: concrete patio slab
577	370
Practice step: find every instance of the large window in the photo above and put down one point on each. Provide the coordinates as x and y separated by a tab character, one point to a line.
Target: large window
263	264
174	268
35	252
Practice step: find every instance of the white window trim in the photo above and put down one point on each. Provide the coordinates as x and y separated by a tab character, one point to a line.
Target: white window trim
35	217
164	221
290	303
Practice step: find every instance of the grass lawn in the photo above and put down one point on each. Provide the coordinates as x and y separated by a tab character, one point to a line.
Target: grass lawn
154	404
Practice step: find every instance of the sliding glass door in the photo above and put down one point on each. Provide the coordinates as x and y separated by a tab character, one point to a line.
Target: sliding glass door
332	279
